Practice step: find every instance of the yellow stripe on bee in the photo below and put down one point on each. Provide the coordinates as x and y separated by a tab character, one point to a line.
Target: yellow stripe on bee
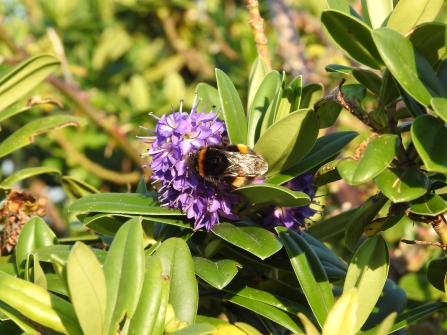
239	181
200	159
243	149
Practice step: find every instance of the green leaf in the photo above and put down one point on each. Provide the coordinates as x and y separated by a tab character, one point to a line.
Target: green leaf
233	110
36	304
35	234
367	272
25	135
282	148
430	204
310	273
297	87
410	13
442	71
122	203
414	107
153	301
124	273
345	7
21	79
339	68
38	275
429	135
368	79
440	107
436	273
25	174
285	105
258	108
380	151
257	74
210	96
362	216
255	240
87	286
327	173
197	329
178	265
273	195
408	66
280	317
378	11
388	90
333	226
76	188
342	317
311	93
353	37
401	185
428	38
62	252
270	114
325	147
218	274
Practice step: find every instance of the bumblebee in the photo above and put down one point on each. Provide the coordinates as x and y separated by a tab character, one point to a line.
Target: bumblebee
235	165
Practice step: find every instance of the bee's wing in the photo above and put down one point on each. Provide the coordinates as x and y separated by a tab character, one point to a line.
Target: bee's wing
245	165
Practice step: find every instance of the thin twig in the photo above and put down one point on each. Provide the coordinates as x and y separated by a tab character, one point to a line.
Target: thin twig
434	244
257	26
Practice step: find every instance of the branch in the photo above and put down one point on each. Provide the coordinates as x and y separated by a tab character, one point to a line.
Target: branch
257	26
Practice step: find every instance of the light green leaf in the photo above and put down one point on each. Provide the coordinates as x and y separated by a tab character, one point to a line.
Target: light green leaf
218	274
378	11
210	95
258	72
440	107
342	316
410	13
25	174
273	194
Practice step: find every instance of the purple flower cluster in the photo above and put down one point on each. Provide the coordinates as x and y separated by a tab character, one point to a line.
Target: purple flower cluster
293	217
175	136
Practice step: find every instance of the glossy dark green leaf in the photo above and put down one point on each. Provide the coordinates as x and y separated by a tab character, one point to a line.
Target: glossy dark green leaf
309	272
325	147
429	136
35	234
345	7
274	195
297	87
153	301
210	96
257	73
24	174
178	265
408	66
362	216
410	13
353	37
233	110
124	274
327	173
392	300
388	90
286	104
430	204
311	93
122	203
338	68
436	273
76	188
327	228
439	106
367	272
324	253
218	274
368	79
283	148
280	317
87	286
22	78
429	39
380	151
25	135
104	224
262	100
442	71
141	187
37	305
255	240
377	11
401	185
414	107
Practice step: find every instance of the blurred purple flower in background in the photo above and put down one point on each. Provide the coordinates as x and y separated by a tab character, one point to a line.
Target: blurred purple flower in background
293	217
175	136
